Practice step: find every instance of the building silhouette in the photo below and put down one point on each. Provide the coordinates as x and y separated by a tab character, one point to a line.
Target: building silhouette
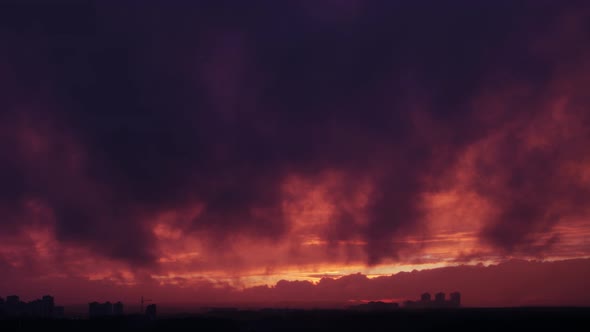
425	298
118	309
108	308
47	306
13	305
97	310
455	300
12	300
39	308
94	309
440	301
375	306
150	311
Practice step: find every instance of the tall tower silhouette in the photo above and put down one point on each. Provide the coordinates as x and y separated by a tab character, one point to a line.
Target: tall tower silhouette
141	304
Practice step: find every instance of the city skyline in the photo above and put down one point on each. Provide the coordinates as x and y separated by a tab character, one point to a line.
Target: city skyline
45	307
530	284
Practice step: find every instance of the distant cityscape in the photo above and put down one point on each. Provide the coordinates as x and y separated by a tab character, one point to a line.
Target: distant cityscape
108	309
40	308
440	301
425	302
45	307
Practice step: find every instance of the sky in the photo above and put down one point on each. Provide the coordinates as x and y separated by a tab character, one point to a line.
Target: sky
313	150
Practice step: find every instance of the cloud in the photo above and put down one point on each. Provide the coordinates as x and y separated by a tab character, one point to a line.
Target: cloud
114	117
513	283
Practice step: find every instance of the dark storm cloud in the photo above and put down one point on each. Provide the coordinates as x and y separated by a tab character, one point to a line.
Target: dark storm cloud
218	101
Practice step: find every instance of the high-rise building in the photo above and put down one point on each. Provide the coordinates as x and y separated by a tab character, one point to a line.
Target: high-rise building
94	309
47	306
150	311
12	300
39	308
455	299
108	308
440	301
13	305
118	309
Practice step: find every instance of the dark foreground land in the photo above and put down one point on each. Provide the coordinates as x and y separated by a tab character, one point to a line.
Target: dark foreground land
509	319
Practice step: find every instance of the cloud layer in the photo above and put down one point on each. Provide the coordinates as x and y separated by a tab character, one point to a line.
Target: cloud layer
225	136
512	283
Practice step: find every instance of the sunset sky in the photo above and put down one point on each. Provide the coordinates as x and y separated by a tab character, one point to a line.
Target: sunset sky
305	150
